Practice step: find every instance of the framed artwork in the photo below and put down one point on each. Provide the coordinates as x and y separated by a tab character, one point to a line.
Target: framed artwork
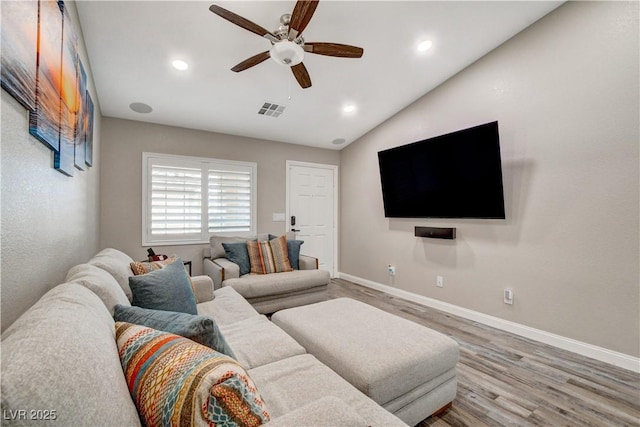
19	32
41	68
64	159
89	135
44	120
82	122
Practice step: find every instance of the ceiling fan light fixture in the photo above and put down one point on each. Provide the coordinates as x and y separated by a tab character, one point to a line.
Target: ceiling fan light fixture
287	53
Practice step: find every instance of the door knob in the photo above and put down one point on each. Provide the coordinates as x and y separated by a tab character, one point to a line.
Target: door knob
293	229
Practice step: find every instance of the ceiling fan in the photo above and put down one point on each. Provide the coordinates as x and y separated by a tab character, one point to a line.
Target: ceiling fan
287	44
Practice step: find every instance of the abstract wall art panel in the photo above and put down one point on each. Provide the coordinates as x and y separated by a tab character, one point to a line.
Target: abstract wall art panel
89	136
64	158
44	121
19	35
82	122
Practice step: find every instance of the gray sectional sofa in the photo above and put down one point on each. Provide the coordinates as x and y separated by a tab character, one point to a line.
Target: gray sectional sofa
267	293
60	363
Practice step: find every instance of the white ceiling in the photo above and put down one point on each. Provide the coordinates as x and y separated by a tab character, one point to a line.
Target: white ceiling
131	45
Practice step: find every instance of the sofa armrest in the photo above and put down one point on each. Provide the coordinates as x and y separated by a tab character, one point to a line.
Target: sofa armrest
220	269
308	262
202	288
327	411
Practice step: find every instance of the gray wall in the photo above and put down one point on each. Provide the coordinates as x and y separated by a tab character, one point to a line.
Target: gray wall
565	93
49	221
124	141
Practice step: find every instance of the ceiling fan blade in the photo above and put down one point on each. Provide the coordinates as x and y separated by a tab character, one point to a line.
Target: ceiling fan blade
250	62
300	17
239	20
334	49
302	75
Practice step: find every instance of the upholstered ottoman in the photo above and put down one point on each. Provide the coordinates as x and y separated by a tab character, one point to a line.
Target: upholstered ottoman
408	369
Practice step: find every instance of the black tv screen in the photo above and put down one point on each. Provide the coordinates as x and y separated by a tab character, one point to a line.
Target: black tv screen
457	175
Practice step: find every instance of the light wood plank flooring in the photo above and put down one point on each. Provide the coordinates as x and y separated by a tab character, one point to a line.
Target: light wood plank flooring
507	380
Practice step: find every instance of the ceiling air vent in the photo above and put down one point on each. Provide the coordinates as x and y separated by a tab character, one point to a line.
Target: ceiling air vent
270	109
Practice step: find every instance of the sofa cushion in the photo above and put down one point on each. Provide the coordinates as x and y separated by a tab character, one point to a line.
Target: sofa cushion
100	283
328	411
61	355
175	381
201	329
238	254
289	384
270	256
253	286
117	264
228	307
166	289
256	342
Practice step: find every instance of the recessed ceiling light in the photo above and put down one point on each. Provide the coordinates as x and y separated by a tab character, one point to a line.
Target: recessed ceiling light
179	64
425	45
140	107
349	108
338	141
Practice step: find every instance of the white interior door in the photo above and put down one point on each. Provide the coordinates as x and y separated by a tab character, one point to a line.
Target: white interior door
312	200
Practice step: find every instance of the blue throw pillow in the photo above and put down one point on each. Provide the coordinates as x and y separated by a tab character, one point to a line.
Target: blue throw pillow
293	249
201	329
237	253
166	289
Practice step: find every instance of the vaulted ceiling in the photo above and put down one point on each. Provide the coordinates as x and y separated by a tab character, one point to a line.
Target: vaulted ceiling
132	44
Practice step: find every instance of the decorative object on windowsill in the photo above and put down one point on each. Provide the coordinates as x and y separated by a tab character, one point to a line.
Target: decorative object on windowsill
41	69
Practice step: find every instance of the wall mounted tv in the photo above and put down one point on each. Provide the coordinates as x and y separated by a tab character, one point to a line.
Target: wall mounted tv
457	175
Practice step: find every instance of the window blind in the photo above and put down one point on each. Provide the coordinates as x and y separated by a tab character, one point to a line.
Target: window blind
176	201
229	201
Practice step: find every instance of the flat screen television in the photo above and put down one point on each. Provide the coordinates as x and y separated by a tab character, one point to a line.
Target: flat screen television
457	175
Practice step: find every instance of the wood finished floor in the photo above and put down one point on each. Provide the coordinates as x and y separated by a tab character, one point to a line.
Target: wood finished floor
508	380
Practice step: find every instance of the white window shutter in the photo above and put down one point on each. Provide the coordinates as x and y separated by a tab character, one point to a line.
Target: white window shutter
176	201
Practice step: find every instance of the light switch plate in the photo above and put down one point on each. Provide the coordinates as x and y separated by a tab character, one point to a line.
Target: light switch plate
278	217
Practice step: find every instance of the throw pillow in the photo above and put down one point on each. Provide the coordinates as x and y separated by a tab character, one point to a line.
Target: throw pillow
216	241
166	289
144	267
175	381
237	253
293	249
201	329
269	257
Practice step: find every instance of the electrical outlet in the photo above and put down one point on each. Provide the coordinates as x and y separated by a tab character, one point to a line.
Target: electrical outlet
392	270
508	296
440	281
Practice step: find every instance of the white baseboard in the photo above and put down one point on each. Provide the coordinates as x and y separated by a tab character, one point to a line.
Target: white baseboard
599	353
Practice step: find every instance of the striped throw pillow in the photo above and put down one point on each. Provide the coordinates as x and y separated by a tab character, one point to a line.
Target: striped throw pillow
271	256
175	381
144	267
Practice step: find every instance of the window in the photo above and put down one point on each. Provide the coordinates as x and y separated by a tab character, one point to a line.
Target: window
187	198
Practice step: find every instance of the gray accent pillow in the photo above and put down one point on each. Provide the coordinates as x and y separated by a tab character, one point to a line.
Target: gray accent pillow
201	329
238	253
216	241
166	289
293	247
